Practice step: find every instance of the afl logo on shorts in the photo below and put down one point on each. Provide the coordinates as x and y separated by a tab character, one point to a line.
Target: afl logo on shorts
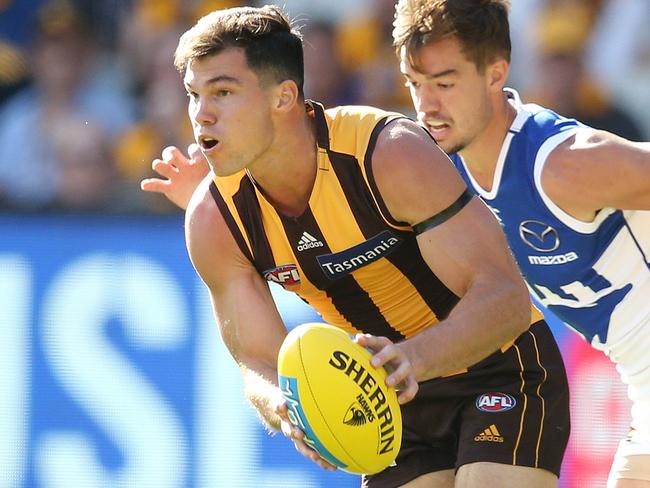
495	402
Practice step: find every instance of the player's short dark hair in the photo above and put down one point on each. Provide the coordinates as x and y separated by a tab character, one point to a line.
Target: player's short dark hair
481	27
271	44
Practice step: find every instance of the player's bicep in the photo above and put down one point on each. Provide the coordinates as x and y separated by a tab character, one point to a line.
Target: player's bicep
459	237
468	247
415	178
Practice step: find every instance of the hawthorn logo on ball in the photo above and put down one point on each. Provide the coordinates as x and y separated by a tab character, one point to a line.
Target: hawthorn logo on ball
359	412
372	400
355	415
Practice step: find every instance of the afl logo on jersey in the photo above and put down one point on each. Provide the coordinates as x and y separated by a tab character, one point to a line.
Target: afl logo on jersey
495	402
285	275
538	235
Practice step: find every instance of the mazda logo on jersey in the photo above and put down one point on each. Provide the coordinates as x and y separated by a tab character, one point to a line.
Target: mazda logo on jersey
538	235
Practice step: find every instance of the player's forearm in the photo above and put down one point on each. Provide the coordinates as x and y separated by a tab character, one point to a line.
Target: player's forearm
486	318
264	395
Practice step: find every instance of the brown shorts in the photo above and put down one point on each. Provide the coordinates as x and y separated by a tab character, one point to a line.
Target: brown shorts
511	408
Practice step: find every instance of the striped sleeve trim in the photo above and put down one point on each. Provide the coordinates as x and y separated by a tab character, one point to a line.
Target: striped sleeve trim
367	163
230	222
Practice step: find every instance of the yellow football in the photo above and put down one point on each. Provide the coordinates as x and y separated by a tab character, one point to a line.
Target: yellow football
338	399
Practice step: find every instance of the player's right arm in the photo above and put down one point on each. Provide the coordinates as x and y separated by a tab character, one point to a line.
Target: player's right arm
248	319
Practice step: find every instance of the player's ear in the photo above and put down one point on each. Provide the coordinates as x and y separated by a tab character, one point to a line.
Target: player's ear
497	74
286	95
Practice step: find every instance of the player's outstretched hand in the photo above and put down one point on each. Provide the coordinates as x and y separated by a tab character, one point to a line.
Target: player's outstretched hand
298	436
180	174
397	364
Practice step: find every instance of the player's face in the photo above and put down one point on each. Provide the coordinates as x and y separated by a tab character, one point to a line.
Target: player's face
449	94
229	111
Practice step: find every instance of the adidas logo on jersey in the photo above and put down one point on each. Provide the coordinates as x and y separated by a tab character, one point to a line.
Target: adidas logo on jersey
491	434
308	241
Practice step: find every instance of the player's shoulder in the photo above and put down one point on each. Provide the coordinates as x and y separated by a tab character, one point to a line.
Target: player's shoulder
205	224
202	215
573	156
358	114
405	140
542	123
209	239
408	165
353	127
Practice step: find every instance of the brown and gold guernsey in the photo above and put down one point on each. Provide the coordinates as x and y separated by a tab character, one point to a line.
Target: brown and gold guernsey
345	255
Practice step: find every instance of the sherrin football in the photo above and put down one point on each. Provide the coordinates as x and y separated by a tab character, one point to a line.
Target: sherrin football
338	399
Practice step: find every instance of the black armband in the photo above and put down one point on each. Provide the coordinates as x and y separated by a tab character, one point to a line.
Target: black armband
445	214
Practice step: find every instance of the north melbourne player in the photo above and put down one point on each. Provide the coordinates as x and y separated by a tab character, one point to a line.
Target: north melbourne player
573	201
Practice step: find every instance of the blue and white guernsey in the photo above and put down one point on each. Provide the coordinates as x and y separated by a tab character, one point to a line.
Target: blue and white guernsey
595	276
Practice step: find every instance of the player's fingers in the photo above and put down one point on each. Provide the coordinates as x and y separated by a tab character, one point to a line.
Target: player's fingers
314	456
362	339
298	438
297	434
173	155
401	371
324	464
409	391
281	410
387	354
374	343
155	185
308	452
164	168
290	430
285	429
302	448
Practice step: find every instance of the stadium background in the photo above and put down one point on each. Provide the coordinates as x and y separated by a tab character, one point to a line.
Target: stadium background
111	370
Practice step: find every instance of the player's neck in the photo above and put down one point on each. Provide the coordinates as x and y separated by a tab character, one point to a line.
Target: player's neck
482	154
287	174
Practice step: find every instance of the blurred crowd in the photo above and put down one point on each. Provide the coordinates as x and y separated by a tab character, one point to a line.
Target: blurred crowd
89	95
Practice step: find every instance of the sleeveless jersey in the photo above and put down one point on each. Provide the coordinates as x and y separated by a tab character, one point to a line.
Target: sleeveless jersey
595	276
345	255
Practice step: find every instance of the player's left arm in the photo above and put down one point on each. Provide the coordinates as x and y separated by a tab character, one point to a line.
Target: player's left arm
595	169
467	252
